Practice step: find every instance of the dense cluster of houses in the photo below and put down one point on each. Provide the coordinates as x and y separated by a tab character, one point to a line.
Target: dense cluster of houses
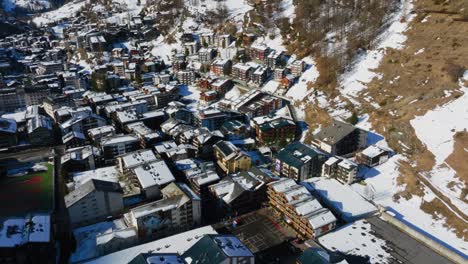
138	151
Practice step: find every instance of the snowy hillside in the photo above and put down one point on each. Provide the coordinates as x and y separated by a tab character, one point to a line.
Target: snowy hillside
27	5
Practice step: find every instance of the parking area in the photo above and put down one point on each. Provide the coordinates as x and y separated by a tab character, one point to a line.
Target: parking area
259	231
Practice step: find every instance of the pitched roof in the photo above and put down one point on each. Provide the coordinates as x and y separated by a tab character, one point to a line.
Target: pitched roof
88	187
215	249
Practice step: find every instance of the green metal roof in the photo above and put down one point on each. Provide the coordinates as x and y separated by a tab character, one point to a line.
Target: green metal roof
296	154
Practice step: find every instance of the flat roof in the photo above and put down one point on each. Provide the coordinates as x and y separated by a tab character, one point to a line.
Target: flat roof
18	231
138	157
154	173
340	198
104	174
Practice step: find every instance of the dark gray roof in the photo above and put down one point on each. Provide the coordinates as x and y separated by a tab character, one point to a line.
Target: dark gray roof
88	187
157	258
334	133
226	147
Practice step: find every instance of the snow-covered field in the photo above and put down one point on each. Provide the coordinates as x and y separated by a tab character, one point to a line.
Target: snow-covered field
236	8
299	90
31	5
68	10
382	186
436	130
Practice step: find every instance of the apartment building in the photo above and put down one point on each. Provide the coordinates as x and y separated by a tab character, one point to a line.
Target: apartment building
212	119
114	146
231	159
277	132
340	139
373	156
94	201
151	177
179	210
40	131
258	52
299	162
221	67
8	129
343	170
241	193
242	72
300	209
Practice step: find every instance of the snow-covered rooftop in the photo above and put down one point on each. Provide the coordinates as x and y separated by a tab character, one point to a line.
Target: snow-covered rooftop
104	174
177	243
356	239
154	174
139	157
342	199
86	238
22	230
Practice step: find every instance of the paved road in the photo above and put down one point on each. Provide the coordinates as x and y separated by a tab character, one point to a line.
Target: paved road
29	155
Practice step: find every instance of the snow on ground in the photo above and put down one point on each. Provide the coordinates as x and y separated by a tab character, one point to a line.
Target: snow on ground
289	10
236	8
300	90
32	5
192	94
381	186
233	94
355	239
355	80
436	130
68	10
271	86
276	43
164	50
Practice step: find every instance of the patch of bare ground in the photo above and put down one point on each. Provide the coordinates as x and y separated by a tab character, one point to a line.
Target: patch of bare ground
315	116
458	160
414	81
439	211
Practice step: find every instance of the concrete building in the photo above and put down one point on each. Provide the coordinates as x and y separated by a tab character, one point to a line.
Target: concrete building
373	156
114	146
40	132
8	129
179	210
299	162
230	159
343	170
340	139
93	202
152	177
300	209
